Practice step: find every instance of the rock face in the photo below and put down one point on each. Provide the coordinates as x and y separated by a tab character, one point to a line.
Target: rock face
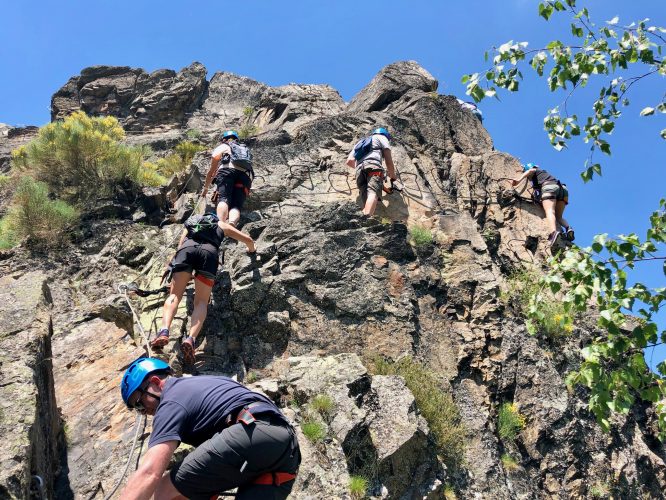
140	100
328	291
29	420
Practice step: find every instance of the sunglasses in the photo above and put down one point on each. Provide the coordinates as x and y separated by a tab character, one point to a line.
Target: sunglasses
138	405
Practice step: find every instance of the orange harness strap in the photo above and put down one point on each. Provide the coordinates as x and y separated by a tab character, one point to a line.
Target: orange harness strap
274	478
204	280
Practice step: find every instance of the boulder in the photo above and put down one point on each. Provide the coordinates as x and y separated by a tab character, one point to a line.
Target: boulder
391	83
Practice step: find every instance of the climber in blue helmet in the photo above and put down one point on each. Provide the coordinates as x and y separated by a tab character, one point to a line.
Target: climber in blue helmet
231	171
242	438
367	157
553	197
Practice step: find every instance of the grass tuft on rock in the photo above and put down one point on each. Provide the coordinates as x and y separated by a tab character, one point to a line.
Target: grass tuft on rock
420	236
509	421
323	405
314	431
435	404
509	463
358	487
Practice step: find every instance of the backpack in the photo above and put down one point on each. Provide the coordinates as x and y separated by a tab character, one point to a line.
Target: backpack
241	156
203	228
363	148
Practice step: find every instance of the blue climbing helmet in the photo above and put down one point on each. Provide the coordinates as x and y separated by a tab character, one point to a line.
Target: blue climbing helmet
529	166
230	133
137	372
383	131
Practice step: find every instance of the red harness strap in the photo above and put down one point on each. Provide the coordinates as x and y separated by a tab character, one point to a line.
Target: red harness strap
204	280
375	173
241	185
274	478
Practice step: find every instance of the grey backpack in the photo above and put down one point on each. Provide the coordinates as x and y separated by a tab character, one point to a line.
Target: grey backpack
241	156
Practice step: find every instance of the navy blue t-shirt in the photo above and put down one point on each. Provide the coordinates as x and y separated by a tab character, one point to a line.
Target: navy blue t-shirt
194	409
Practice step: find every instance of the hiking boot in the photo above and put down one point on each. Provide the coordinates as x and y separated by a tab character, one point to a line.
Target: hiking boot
187	349
161	340
570	234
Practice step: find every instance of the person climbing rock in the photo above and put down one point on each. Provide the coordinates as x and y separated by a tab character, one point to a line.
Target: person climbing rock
553	196
471	107
198	254
231	167
367	158
242	439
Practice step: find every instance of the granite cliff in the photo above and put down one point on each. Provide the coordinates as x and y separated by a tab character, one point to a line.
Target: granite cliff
329	291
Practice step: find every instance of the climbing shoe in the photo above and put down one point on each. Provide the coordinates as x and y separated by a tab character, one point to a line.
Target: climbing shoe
187	349
569	234
553	237
161	340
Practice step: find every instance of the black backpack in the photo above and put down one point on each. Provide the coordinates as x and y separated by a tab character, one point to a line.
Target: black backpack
203	228
241	156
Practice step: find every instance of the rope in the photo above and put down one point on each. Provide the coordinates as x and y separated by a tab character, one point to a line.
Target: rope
137	426
122	288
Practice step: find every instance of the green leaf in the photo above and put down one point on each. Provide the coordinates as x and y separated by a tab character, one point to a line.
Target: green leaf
663	133
647	111
464	79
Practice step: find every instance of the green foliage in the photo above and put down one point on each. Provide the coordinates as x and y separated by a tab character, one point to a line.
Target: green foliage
358	486
420	236
150	176
509	421
80	158
323	405
246	131
5	181
450	492
251	377
550	316
313	430
8	237
599	54
436	406
178	161
193	134
34	216
600	490
509	463
613	366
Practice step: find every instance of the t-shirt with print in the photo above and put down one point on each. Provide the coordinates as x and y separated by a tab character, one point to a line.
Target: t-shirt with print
194	409
374	158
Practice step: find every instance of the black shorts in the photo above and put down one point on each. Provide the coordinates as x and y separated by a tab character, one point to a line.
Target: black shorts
215	465
200	258
370	179
233	186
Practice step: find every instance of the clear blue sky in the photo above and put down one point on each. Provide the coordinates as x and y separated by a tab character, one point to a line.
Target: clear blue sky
344	43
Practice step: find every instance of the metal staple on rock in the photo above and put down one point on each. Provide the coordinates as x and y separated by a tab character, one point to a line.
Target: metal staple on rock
41	488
